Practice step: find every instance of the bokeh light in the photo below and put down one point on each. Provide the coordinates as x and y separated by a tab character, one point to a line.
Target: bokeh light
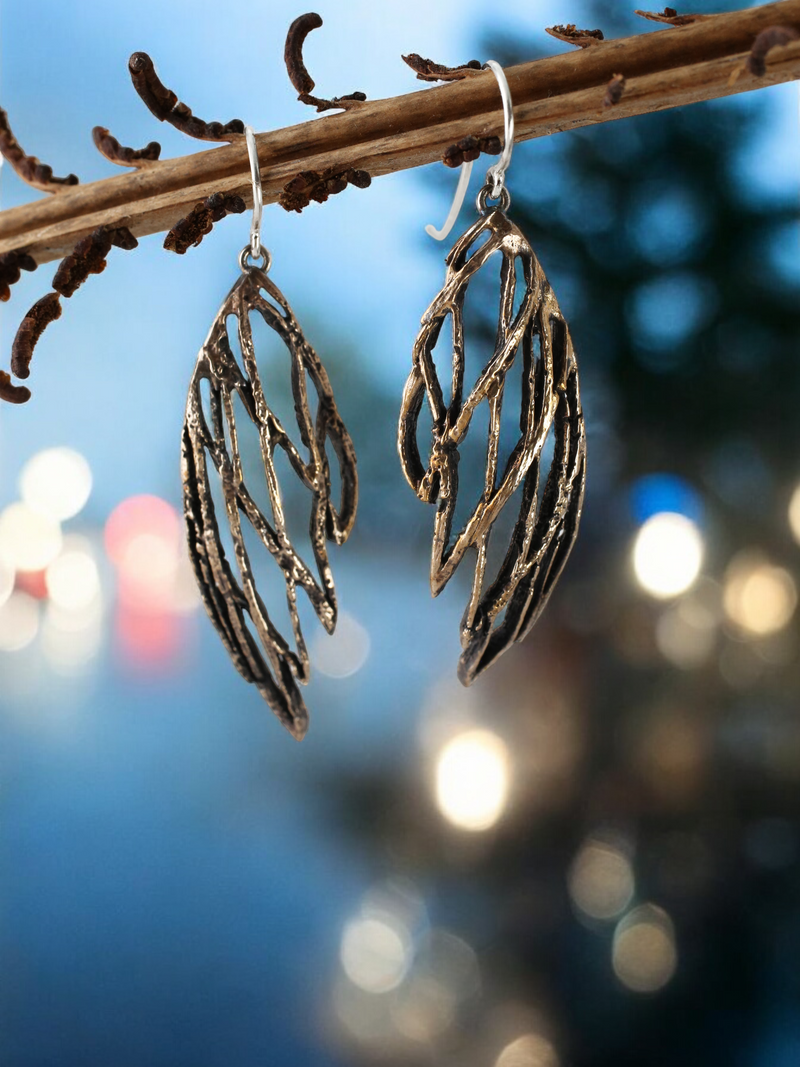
759	597
601	880
667	554
529	1050
72	579
686	633
644	954
56	482
342	653
6	581
794	514
19	622
472	780
29	540
375	952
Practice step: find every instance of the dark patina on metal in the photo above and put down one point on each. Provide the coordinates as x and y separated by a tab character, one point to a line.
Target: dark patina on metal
210	447
537	337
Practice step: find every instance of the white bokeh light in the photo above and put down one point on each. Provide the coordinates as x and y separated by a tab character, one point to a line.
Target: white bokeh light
56	482
601	881
19	622
6	581
667	554
472	780
375	952
344	652
29	540
72	579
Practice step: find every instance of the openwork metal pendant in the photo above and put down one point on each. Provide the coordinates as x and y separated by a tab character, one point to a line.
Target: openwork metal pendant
535	341
260	653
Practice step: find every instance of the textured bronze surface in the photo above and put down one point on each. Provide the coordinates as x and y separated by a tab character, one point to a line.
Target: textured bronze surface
536	341
233	603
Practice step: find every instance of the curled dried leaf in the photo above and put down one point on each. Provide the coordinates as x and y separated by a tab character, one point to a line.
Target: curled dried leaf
469	149
317	185
165	105
34	173
773	37
109	147
298	73
11	263
89	257
200	220
43	312
570	34
429	71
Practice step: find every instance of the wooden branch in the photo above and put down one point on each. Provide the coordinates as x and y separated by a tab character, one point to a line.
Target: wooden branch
663	69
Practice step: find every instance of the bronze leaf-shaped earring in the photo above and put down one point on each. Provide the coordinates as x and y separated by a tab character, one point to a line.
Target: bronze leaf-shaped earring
535	340
260	653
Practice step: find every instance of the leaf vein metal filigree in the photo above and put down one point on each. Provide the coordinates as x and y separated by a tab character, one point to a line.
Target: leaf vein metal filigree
260	653
536	336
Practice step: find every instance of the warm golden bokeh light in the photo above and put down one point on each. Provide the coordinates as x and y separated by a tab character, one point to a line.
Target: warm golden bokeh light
472	780
530	1050
375	952
759	597
667	554
601	881
644	954
794	514
29	540
56	482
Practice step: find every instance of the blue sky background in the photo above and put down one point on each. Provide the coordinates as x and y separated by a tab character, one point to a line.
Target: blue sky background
170	892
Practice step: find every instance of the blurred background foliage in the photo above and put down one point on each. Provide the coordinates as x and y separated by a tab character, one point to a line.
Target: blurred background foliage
589	858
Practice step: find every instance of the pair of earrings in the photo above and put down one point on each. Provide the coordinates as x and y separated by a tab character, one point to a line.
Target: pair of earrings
531	333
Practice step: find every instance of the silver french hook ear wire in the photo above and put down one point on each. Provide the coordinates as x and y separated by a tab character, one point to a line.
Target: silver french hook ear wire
255	250
495	185
455	207
496	174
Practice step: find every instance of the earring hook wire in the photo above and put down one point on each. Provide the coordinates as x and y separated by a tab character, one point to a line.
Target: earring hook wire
495	175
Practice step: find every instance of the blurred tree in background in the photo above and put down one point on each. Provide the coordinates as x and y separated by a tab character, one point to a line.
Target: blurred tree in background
655	742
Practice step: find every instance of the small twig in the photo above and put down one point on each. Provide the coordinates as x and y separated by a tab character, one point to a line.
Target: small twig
37	174
109	147
311	185
428	71
469	148
614	90
89	257
298	73
11	263
570	34
166	106
671	17
31	328
773	37
346	103
200	220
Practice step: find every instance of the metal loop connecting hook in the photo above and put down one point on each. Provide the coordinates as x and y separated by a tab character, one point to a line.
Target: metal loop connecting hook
495	187
256	251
